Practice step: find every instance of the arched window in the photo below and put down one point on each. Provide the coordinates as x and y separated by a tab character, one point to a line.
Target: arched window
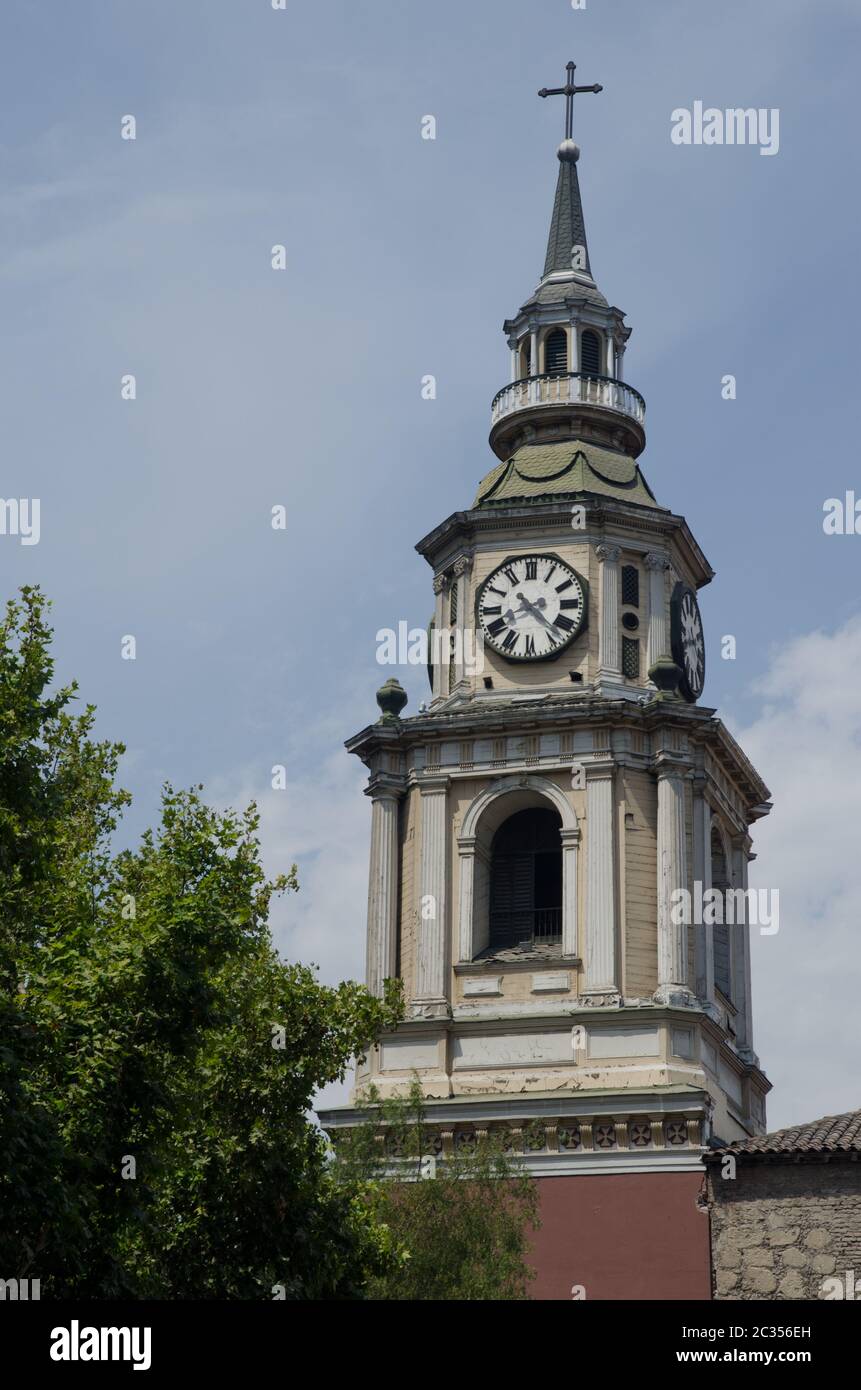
556	353
590	352
526	880
526	358
721	946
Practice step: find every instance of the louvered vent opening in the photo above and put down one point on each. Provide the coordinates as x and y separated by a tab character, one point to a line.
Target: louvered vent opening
452	604
556	353
631	585
526	880
590	353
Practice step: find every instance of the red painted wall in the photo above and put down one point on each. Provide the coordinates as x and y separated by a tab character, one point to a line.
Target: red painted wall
629	1235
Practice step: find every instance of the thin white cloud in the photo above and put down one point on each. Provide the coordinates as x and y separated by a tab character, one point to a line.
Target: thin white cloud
806	743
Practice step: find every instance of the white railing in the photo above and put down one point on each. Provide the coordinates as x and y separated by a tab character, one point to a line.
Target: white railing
573	388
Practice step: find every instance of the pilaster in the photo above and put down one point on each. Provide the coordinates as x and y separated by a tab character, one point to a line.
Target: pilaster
672	875
601	982
740	955
430	999
570	849
704	978
439	667
609	590
657	566
385	793
462	570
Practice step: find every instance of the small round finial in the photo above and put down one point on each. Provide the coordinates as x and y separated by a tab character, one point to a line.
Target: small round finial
568	152
391	699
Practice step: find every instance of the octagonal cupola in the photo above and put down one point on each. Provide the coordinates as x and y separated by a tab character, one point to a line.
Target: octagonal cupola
567	343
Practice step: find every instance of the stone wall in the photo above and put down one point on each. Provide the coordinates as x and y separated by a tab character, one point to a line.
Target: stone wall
778	1229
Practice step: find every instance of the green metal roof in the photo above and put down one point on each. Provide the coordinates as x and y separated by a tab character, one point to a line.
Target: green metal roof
562	470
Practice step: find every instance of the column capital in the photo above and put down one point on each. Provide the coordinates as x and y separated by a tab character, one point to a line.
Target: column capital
610	554
433	783
668	764
383	785
602	766
656	560
463	564
440	583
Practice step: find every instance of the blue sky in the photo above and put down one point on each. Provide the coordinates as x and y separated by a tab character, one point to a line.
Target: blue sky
302	388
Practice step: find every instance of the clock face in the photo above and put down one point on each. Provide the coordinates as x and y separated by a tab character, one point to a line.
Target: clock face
689	650
531	607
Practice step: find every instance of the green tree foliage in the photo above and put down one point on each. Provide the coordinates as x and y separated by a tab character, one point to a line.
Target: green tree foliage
148	1027
460	1223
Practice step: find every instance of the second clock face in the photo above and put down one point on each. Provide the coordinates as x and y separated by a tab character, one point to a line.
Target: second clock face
531	607
686	640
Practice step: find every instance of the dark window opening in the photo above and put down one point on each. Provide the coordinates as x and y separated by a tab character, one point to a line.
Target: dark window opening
556	353
526	881
590	353
630	657
631	585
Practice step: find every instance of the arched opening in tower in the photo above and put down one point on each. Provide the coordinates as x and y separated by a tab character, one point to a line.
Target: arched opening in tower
526	880
556	353
590	353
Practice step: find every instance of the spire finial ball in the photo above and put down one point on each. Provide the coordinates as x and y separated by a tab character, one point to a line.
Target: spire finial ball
568	152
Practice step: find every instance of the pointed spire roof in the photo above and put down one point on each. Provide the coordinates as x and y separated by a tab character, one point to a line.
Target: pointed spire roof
567	269
567	227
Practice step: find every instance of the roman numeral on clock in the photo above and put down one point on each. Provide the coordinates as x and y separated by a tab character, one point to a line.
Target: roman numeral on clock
510	575
496	627
510	642
565	623
566	603
531	569
530	647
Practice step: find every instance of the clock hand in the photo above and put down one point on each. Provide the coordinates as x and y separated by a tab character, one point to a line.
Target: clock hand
535	611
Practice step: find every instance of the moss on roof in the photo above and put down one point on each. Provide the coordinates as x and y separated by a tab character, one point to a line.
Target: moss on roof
563	470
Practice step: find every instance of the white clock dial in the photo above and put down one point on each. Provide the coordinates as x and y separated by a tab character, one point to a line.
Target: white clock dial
531	607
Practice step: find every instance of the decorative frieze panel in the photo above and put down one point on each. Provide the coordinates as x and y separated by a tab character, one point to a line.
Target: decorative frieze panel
561	1136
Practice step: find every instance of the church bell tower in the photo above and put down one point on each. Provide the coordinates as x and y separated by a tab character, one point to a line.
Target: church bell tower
545	828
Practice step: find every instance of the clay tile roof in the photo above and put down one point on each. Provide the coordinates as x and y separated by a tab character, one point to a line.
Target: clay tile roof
833	1134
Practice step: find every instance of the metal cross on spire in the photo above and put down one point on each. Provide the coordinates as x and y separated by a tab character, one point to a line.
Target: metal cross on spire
569	91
